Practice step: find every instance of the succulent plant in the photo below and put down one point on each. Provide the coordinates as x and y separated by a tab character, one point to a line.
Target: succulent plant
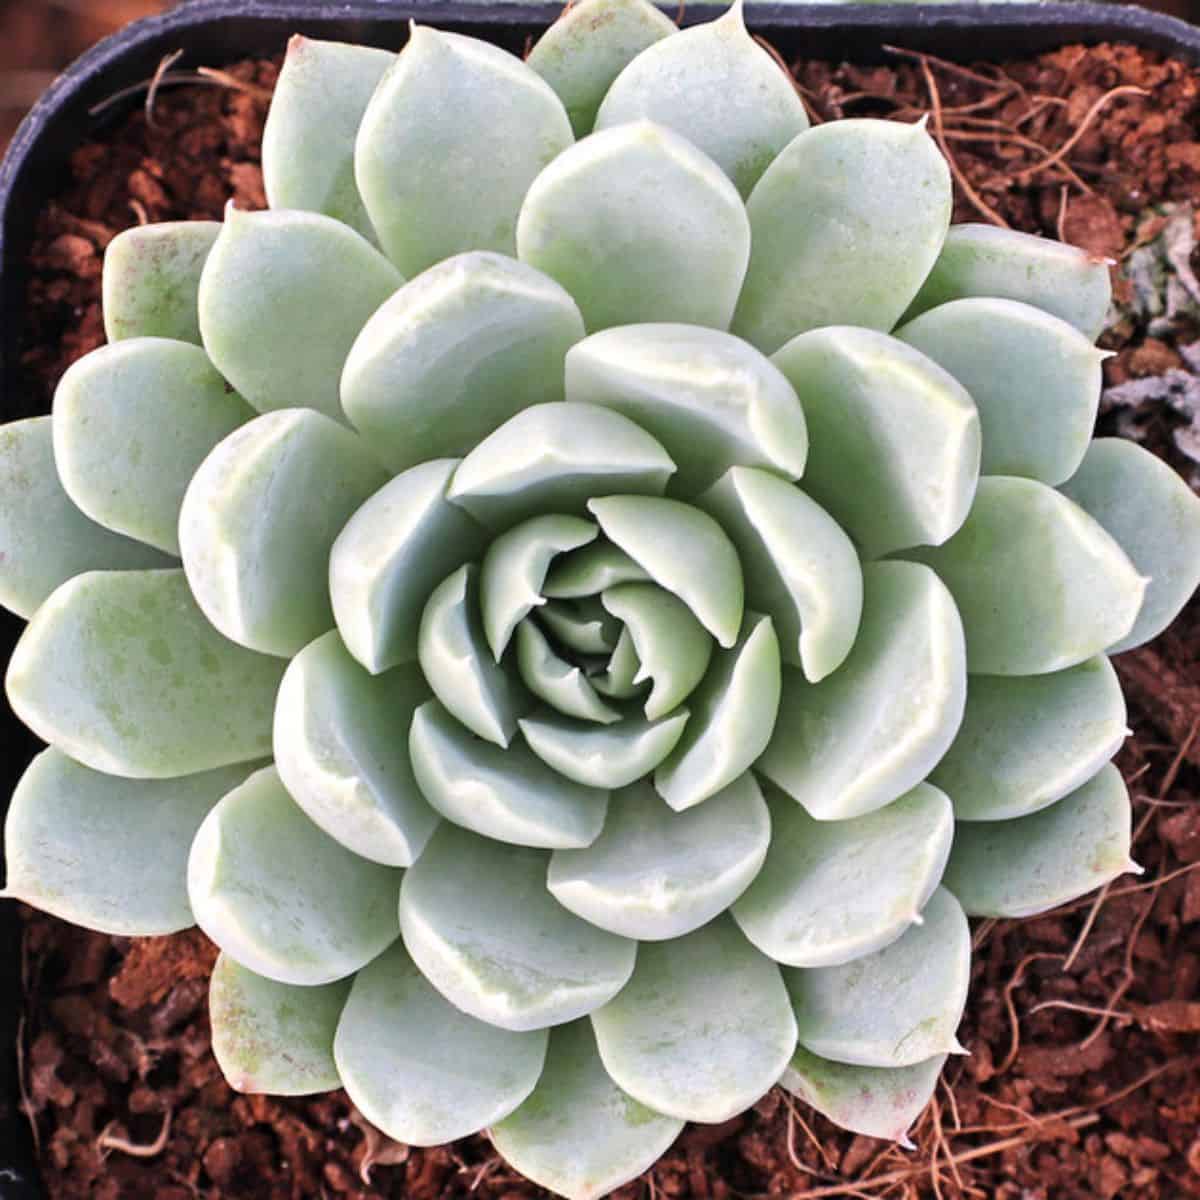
583	597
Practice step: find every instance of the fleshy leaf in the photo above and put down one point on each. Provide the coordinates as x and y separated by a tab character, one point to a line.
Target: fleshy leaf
308	140
259	519
619	678
282	298
1026	741
460	669
673	648
683	550
711	399
583	626
419	1069
587	47
132	423
557	682
478	921
454	353
798	564
152	277
984	260
121	671
832	891
1034	378
638	225
605	756
588	571
106	853
714	86
703	1029
340	754
1039	583
1030	864
506	794
273	1037
846	224
514	569
552	459
881	1102
279	896
1154	517
390	555
578	1133
44	539
450	142
654	873
875	728
895	447
733	715
896	1007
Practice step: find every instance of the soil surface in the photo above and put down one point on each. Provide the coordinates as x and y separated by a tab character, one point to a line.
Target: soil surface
1083	1079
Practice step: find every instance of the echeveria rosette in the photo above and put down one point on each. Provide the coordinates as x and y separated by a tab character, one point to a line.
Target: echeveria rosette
581	623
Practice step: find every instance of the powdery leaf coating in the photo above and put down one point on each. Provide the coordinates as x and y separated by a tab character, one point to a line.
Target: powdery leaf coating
579	1134
44	539
403	1053
274	1037
107	853
594	219
120	670
279	896
449	144
714	85
557	681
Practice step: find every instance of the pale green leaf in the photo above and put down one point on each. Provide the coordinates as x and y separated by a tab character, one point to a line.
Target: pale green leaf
714	85
271	1037
152	277
655	873
44	539
896	440
557	682
341	755
605	756
588	571
733	715
259	519
846	224
282	298
1030	864
132	423
832	891
638	225
621	673
1028	740
711	399
875	728
279	896
460	669
308	140
1035	380
579	1134
588	46
704	1028
454	353
106	853
121	671
985	260
479	922
552	458
507	794
1154	517
450	142
419	1069
583	626
896	1007
798	564
402	542
1039	583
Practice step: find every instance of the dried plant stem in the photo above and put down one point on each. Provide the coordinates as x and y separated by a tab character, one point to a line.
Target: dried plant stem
1126	89
111	1141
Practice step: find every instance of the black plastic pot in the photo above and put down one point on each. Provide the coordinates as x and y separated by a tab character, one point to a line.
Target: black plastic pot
214	32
